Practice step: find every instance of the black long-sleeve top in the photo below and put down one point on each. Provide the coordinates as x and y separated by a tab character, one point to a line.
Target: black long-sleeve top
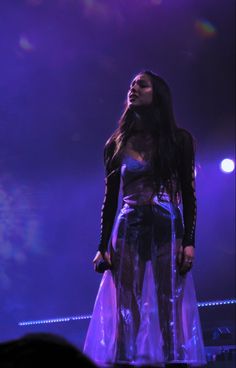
186	152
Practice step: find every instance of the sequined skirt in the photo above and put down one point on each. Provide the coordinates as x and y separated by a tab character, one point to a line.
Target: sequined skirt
145	311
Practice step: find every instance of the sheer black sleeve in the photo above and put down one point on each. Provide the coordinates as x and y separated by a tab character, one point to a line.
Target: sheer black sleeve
110	201
187	181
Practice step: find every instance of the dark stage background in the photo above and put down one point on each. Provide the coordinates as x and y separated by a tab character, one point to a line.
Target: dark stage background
65	67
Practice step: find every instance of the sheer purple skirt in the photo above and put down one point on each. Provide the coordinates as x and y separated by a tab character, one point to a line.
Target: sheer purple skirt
145	311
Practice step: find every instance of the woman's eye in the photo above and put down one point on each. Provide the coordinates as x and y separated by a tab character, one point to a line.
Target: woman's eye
141	84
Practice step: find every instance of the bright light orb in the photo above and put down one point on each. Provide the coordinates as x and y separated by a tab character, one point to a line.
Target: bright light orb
227	165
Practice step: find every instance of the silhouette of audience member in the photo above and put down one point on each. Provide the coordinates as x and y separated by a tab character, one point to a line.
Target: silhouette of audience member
42	350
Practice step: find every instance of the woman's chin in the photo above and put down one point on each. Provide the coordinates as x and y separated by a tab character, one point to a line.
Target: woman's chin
134	104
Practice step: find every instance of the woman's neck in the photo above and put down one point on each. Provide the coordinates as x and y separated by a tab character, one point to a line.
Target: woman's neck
143	120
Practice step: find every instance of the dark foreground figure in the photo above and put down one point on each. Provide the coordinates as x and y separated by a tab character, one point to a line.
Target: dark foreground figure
41	350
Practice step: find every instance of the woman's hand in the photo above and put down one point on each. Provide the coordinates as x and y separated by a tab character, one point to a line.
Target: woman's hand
98	257
185	258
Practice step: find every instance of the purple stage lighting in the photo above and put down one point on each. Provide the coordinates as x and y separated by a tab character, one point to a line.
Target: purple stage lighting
227	165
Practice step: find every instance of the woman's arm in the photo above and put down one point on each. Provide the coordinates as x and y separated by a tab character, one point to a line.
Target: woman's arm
187	179
110	202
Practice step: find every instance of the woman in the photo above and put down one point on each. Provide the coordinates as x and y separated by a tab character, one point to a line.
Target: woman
146	310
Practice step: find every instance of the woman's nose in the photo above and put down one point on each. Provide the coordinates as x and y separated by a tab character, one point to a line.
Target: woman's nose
134	88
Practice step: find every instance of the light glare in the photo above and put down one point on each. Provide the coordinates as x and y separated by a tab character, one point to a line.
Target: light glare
227	165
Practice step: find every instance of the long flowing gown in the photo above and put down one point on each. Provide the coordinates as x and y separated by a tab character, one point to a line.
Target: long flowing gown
145	311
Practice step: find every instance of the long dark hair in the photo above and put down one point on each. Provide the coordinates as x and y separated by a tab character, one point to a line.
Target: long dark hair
158	118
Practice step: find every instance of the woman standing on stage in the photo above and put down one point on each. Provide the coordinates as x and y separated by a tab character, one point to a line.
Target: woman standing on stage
146	309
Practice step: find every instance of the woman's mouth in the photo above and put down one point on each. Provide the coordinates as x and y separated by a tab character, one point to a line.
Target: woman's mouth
133	97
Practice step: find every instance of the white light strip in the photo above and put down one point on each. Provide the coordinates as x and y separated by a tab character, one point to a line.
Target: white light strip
54	320
216	303
77	318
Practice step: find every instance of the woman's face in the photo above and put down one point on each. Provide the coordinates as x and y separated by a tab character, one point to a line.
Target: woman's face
140	92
